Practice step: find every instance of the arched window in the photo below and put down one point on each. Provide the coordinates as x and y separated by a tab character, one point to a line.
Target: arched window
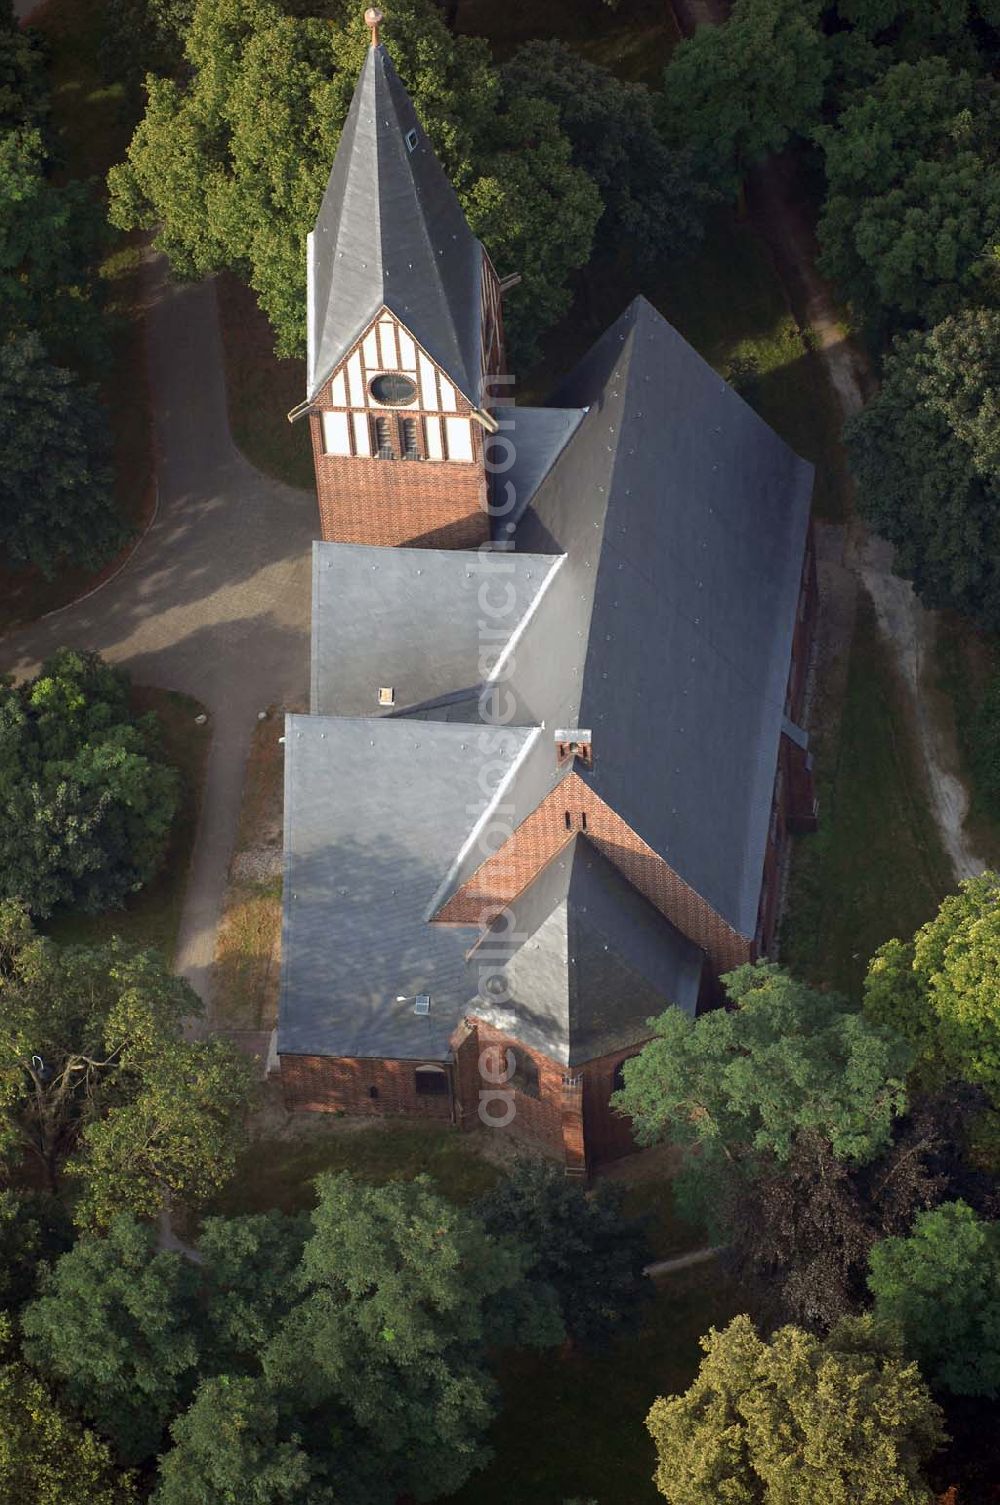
431	1081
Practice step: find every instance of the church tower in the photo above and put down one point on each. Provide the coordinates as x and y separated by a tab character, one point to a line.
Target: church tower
405	332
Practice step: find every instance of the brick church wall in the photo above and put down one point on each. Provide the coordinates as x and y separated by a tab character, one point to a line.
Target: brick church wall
569	1117
332	1084
417	503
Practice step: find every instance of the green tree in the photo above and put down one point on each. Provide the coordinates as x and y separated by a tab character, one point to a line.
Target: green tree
737	92
941	1286
925	454
230	1446
250	1272
57	503
400	1294
581	1246
913	202
24	92
96	1076
34	1228
86	804
799	1420
654	201
786	1060
47	1458
798	1232
232	164
116	1327
50	238
179	1135
939	990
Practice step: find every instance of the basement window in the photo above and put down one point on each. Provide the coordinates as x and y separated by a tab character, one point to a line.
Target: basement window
431	1081
386	695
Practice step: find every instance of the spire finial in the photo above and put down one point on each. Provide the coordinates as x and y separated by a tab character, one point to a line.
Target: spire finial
373	18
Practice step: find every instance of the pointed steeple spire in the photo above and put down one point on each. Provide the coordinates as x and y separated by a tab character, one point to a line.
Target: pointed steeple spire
391	231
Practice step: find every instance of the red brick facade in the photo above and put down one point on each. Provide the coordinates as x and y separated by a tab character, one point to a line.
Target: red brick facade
566	1112
417	503
331	1084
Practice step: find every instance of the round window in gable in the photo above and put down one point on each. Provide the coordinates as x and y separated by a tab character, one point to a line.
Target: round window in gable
393	390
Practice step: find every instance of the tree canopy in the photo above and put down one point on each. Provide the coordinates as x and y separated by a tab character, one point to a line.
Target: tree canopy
582	1246
654	199
45	1456
787	1059
338	1357
231	165
116	1327
941	1286
925	454
97	1078
736	92
939	989
57	503
231	1445
913	204
798	1233
86	802
803	1420
50	236
399	1293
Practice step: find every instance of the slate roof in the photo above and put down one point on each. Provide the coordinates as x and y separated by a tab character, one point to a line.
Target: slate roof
410	619
375	811
390	231
586	961
531	441
668	632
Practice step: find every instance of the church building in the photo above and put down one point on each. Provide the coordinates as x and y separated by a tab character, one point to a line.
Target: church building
554	748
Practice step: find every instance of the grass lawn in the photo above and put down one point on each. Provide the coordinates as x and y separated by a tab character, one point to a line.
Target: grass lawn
965	662
261	389
93	125
152	916
289	1152
633	38
876	867
248	954
572	1427
727	300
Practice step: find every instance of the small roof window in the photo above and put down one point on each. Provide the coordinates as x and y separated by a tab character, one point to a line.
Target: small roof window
386	695
411	138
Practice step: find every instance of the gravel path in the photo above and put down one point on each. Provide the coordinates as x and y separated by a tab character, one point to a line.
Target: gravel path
215	601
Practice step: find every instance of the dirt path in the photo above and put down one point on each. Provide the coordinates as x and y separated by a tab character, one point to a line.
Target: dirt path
851	555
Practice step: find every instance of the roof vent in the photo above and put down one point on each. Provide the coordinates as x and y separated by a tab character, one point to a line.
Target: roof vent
422	1003
411	138
386	695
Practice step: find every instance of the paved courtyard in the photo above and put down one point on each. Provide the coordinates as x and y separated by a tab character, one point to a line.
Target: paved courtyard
215	601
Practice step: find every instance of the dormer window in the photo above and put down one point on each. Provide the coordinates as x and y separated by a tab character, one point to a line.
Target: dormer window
393	390
574	745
